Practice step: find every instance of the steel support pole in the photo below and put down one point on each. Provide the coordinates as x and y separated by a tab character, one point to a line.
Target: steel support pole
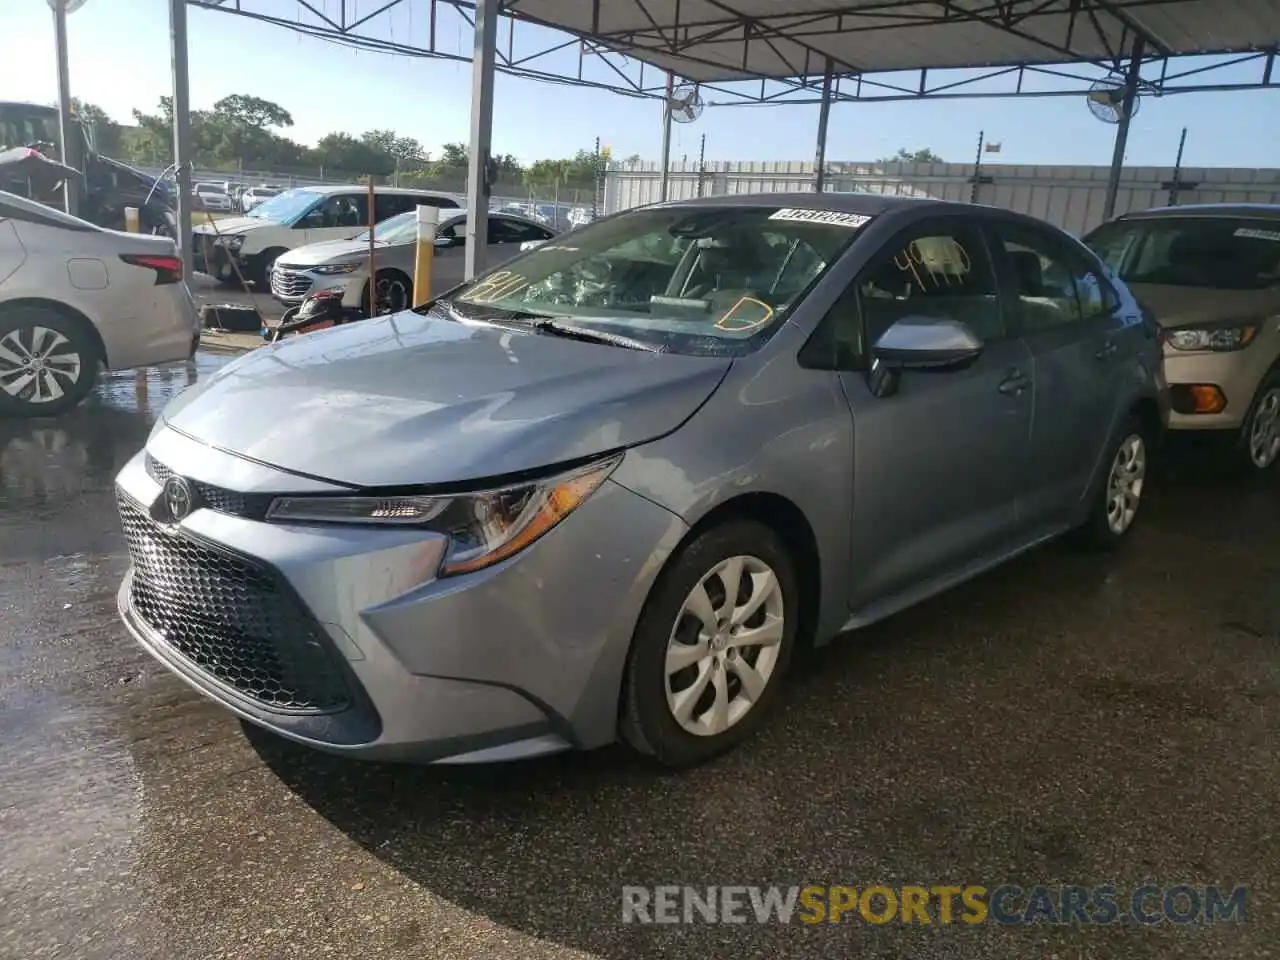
664	178
68	131
1122	129
483	60
181	130
824	115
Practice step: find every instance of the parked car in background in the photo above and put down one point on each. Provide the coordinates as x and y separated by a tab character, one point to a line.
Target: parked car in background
344	264
74	297
606	489
579	217
211	196
253	196
1211	276
296	218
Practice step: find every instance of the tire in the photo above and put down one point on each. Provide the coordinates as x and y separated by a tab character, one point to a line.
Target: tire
1260	436
1116	499
261	265
388	282
68	372
652	697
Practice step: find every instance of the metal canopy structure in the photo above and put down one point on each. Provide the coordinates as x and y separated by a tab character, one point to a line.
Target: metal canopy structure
795	51
718	40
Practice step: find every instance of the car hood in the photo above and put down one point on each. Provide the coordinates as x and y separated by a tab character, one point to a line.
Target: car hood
406	399
326	250
1176	306
232	225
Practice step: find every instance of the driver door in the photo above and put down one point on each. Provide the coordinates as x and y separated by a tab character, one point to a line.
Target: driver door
937	463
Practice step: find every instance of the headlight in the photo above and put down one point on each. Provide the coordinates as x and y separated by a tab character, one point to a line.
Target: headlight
332	268
483	528
231	243
1218	339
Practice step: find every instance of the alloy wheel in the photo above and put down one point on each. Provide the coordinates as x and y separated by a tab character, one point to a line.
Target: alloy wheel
724	646
38	365
1124	486
1264	431
393	295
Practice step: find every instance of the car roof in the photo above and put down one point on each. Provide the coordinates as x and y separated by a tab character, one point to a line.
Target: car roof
1264	211
863	204
328	188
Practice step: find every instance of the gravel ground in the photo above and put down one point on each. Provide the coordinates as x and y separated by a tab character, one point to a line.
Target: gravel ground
1067	719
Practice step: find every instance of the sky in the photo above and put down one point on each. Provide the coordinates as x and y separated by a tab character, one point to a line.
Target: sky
120	60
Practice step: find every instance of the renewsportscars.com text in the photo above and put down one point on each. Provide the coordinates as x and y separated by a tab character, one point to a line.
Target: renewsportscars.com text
1007	904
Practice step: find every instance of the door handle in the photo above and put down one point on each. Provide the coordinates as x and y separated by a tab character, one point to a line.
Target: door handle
1108	350
1014	383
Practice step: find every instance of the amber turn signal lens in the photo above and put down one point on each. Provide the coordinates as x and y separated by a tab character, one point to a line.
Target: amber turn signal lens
1207	398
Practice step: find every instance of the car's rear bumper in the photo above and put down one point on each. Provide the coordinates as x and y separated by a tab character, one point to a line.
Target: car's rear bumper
164	327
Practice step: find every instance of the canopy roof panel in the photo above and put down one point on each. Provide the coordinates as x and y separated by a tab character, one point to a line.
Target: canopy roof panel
726	40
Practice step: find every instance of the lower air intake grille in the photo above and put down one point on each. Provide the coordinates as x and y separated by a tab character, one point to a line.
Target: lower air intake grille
234	619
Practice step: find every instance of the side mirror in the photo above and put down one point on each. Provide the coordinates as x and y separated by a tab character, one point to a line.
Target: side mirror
920	343
444	243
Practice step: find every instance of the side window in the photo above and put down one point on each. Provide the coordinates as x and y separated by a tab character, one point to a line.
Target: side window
455	230
339	210
1055	286
938	270
387	205
444	203
932	272
502	230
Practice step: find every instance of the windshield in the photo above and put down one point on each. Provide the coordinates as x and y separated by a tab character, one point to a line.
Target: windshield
1226	253
286	207
705	280
401	228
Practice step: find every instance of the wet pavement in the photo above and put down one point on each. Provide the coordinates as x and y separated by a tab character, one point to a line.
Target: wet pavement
1067	719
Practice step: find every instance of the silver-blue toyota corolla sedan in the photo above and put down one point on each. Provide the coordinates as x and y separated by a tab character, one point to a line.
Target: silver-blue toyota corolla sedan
605	491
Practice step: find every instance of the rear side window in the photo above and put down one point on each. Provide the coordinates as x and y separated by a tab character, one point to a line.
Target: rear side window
445	203
1055	283
1227	253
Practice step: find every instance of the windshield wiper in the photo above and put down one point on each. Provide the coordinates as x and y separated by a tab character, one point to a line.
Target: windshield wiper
544	323
571	331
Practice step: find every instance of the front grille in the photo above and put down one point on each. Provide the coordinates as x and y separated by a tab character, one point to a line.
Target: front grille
234	619
286	283
214	498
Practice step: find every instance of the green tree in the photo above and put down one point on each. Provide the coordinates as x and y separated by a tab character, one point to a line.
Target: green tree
909	156
343	152
106	132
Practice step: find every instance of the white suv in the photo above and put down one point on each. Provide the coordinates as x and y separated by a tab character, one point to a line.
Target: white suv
295	218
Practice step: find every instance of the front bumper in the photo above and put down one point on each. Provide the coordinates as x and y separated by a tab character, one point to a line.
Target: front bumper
291	285
520	659
1236	374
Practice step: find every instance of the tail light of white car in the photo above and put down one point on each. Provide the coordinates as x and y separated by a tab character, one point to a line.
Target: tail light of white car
168	269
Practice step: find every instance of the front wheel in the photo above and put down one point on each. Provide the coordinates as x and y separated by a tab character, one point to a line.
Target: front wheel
1261	434
47	363
395	293
712	645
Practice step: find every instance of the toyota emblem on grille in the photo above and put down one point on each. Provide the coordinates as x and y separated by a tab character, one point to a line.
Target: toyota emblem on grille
178	498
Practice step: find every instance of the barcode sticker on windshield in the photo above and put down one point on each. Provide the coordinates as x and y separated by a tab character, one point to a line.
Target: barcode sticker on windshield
837	219
1255	234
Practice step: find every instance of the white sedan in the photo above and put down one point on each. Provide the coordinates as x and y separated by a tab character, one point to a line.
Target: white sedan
75	297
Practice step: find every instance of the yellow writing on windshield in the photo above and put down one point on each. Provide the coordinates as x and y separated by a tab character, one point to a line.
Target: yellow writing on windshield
745	315
496	286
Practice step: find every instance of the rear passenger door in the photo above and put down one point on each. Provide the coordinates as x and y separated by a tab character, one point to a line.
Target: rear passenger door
1066	313
936	472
